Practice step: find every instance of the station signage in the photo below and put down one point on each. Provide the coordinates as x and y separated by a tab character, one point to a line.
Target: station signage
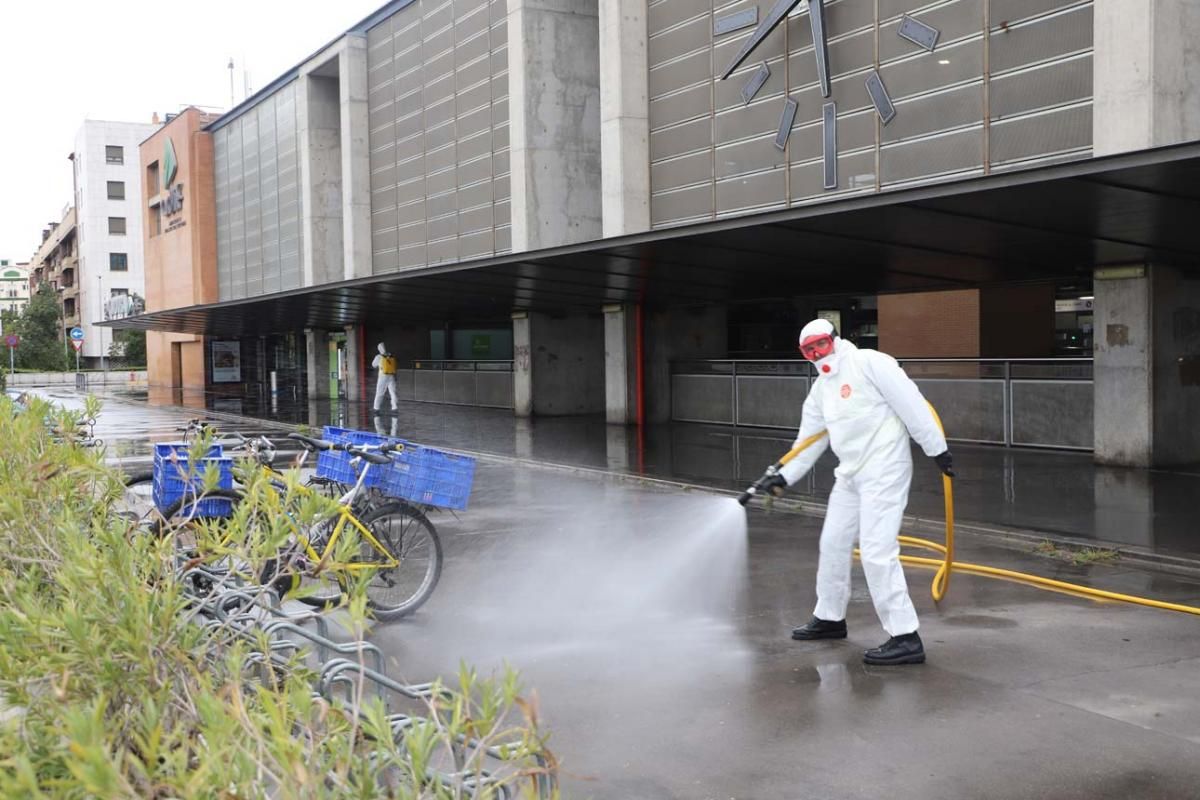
1073	304
172	203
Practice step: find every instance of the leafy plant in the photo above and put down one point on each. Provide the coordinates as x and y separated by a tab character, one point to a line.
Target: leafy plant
110	687
1080	557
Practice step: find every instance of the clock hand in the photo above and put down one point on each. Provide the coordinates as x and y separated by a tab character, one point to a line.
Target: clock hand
816	19
777	15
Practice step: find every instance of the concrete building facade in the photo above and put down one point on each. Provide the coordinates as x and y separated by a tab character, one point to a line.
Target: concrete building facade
14	286
595	192
56	263
108	203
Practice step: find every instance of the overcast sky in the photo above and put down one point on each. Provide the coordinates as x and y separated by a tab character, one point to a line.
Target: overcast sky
70	60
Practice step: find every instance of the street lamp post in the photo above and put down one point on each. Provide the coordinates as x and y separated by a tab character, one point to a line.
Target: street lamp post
100	318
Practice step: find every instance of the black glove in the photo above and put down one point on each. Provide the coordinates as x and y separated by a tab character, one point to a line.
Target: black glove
945	463
774	485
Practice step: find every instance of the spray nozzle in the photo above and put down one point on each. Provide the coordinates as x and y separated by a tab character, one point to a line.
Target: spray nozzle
759	486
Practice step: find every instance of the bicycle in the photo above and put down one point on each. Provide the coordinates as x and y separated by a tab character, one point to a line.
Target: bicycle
399	546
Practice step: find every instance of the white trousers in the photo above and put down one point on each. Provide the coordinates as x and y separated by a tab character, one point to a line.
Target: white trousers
870	507
386	385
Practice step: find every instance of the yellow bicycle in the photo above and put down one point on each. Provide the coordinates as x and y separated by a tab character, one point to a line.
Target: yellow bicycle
397	548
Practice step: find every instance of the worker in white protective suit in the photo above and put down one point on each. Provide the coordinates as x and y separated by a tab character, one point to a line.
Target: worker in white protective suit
385	362
870	408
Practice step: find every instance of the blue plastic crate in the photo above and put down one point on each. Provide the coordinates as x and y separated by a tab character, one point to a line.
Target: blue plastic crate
173	480
171	451
430	477
337	465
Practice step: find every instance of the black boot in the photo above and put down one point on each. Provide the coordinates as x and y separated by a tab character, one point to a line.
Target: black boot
820	629
905	649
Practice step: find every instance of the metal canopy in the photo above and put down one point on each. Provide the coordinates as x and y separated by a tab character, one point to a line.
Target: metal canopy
1051	222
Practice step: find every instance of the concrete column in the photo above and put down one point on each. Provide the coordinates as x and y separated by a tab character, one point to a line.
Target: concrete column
354	372
678	334
554	122
522	365
1146	75
356	158
620	365
558	365
319	140
1147	369
624	117
316	346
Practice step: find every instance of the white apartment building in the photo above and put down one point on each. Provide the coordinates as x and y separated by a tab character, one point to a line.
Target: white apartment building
14	286
108	200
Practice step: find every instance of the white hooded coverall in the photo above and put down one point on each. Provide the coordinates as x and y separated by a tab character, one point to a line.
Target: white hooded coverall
386	383
870	408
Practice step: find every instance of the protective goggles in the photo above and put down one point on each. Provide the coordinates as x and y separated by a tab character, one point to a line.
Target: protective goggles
814	348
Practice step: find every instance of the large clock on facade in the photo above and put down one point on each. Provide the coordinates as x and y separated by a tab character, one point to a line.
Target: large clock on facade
915	31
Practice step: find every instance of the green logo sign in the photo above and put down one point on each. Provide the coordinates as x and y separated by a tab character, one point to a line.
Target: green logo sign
170	164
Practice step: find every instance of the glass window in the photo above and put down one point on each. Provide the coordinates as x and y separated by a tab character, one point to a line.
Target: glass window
116	226
114	154
116	190
118	262
152	186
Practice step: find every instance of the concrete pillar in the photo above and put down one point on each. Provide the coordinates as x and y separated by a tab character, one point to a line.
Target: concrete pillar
1147	367
354	367
558	364
624	117
1145	75
316	345
620	365
319	140
522	365
356	158
679	334
554	122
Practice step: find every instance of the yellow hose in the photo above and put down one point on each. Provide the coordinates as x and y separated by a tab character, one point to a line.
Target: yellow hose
944	565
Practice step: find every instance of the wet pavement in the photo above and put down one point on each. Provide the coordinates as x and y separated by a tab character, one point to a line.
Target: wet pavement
655	633
1041	491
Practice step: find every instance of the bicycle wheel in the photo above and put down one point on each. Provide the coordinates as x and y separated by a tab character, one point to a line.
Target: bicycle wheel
396	592
136	503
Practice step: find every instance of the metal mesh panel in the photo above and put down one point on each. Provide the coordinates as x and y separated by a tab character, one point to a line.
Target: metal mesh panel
939	97
446	67
953	22
1049	85
1015	46
1032	136
954	152
258	200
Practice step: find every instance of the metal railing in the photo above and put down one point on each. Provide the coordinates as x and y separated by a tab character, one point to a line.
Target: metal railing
487	384
1029	402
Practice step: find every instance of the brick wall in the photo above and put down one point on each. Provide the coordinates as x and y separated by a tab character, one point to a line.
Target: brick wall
931	324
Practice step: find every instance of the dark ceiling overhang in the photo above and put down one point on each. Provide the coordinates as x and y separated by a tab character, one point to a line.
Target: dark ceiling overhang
1047	223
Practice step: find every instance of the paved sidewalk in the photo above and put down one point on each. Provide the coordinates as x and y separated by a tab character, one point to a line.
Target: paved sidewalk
656	636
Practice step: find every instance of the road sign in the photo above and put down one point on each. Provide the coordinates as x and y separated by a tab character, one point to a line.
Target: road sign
77	344
12	340
77	334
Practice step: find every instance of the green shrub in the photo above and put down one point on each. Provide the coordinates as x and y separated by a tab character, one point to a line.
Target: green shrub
110	689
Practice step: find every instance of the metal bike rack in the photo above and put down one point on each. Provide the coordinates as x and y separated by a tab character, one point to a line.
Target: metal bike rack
253	613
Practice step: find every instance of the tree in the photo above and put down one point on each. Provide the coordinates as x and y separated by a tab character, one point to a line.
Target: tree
39	328
129	345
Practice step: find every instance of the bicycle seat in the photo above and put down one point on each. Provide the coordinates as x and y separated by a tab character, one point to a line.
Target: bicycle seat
310	443
369	456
